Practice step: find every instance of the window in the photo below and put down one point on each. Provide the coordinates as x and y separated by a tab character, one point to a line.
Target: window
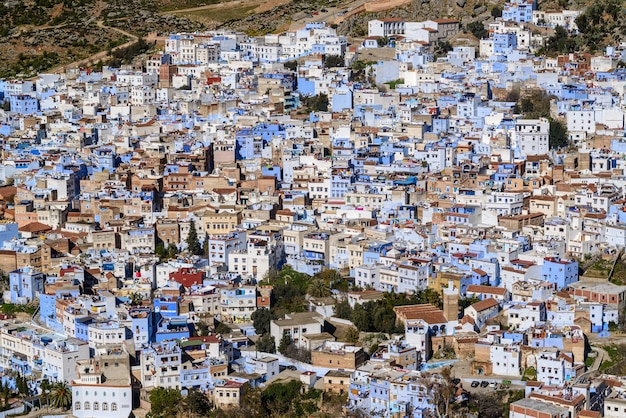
113	406
87	406
105	406
77	406
96	406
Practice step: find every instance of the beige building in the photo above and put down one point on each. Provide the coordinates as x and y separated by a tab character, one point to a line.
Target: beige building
228	394
337	381
216	223
338	355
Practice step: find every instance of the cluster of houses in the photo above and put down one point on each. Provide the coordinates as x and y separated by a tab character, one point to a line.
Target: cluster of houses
421	174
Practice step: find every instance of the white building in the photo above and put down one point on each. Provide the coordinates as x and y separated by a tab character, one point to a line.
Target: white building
522	317
385	27
296	325
102	387
532	136
263	251
581	121
220	247
505	203
554	368
615	405
505	360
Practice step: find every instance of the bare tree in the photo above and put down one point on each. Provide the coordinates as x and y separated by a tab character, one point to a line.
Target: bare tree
441	391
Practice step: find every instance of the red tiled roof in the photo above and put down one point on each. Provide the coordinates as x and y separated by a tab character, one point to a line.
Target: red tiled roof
475	288
484	304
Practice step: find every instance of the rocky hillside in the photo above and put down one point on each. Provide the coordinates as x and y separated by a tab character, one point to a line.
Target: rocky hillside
36	35
463	10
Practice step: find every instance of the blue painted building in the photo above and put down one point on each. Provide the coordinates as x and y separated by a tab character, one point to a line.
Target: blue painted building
26	285
250	142
142	326
560	273
167	307
520	11
23	104
504	42
174	328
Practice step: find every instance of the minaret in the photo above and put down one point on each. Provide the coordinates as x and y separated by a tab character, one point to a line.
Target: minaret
451	302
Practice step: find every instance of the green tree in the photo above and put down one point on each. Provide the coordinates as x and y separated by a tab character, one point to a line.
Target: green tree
429	295
361	318
352	336
443	47
172	250
193	244
202	328
21	384
261	320
496	11
285	342
60	395
280	399
332	61
373	348
561	42
465	302
477	29
136	299
330	276
197	403
343	310
441	392
164	402
6	395
266	344
222	328
558	134
318	289
291	65
317	103
160	250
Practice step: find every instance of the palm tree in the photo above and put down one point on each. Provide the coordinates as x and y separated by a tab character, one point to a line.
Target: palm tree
318	288
61	395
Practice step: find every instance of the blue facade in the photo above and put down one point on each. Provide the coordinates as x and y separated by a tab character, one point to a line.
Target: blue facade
26	285
23	104
251	141
81	328
105	159
196	378
273	171
167	307
342	99
175	328
503	42
561	273
306	86
520	11
142	326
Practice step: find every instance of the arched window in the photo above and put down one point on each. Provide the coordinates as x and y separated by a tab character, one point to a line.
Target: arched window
77	406
105	406
87	406
113	406
96	406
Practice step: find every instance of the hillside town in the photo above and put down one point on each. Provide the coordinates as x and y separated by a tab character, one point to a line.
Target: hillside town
399	226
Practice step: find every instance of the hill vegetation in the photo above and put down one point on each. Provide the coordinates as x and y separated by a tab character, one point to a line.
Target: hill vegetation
36	35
